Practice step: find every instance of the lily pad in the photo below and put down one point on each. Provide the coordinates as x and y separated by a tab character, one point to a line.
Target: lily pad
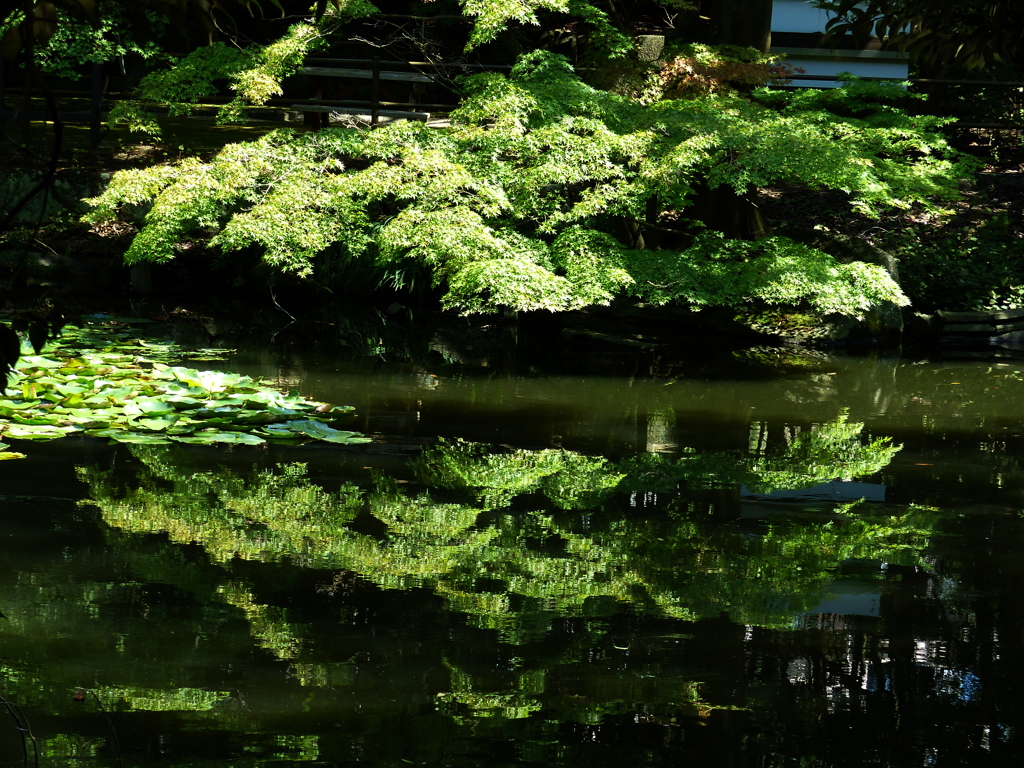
105	431
153	406
94	381
209	438
17	405
157	423
36	431
39	361
317	430
71	389
146	438
37	419
6	454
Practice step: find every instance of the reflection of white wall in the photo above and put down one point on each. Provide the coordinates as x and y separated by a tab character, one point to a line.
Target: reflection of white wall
851	598
837	490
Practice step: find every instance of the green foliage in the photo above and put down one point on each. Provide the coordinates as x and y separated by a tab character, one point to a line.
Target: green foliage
522	202
608	42
569	480
265	516
818	455
254	74
490	17
195	77
966	35
259	78
346	10
213	564
698	70
973	266
774	270
99	384
76	42
808	457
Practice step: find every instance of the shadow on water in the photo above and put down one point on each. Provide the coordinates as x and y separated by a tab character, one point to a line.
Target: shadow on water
769	558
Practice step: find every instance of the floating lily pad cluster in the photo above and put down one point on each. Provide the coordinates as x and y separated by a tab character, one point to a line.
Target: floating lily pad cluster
131	398
108	333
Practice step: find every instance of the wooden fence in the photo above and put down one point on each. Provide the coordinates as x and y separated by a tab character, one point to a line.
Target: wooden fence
340	85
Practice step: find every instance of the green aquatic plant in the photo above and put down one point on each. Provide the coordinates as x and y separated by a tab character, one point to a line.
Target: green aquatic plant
5	454
118	391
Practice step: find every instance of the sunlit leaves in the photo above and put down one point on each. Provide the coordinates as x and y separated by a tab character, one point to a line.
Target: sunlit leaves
822	453
525	200
775	270
810	456
492	16
265	516
496	478
345	9
82	386
592	261
254	73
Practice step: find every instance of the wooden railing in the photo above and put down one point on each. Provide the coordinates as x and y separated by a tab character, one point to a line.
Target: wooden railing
93	116
344	78
383	76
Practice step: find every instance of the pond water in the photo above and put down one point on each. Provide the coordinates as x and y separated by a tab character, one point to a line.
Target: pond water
778	560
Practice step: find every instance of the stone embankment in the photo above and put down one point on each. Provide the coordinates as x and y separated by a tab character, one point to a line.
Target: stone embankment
980	331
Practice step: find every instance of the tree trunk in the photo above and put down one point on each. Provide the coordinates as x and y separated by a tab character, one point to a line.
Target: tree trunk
736	216
746	23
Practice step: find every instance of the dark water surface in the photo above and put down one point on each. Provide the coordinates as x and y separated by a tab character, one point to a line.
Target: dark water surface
812	561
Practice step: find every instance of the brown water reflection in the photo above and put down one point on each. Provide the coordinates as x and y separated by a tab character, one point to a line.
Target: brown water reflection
692	612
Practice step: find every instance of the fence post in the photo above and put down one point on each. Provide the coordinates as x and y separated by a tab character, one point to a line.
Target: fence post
95	103
375	92
3	109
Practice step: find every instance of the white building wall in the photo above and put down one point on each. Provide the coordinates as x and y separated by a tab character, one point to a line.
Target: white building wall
797	16
800	17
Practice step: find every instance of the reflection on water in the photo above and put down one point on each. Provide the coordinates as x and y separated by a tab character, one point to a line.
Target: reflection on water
817	566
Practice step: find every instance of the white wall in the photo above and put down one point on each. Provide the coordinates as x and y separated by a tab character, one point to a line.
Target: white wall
797	16
801	17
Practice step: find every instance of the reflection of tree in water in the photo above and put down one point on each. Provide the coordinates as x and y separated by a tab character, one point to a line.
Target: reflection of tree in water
782	457
548	551
516	537
562	578
520	541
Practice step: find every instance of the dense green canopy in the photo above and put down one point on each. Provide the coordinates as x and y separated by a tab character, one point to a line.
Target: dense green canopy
548	193
546	190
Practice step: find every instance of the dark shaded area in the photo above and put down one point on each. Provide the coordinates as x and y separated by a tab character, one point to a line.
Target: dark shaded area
902	665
